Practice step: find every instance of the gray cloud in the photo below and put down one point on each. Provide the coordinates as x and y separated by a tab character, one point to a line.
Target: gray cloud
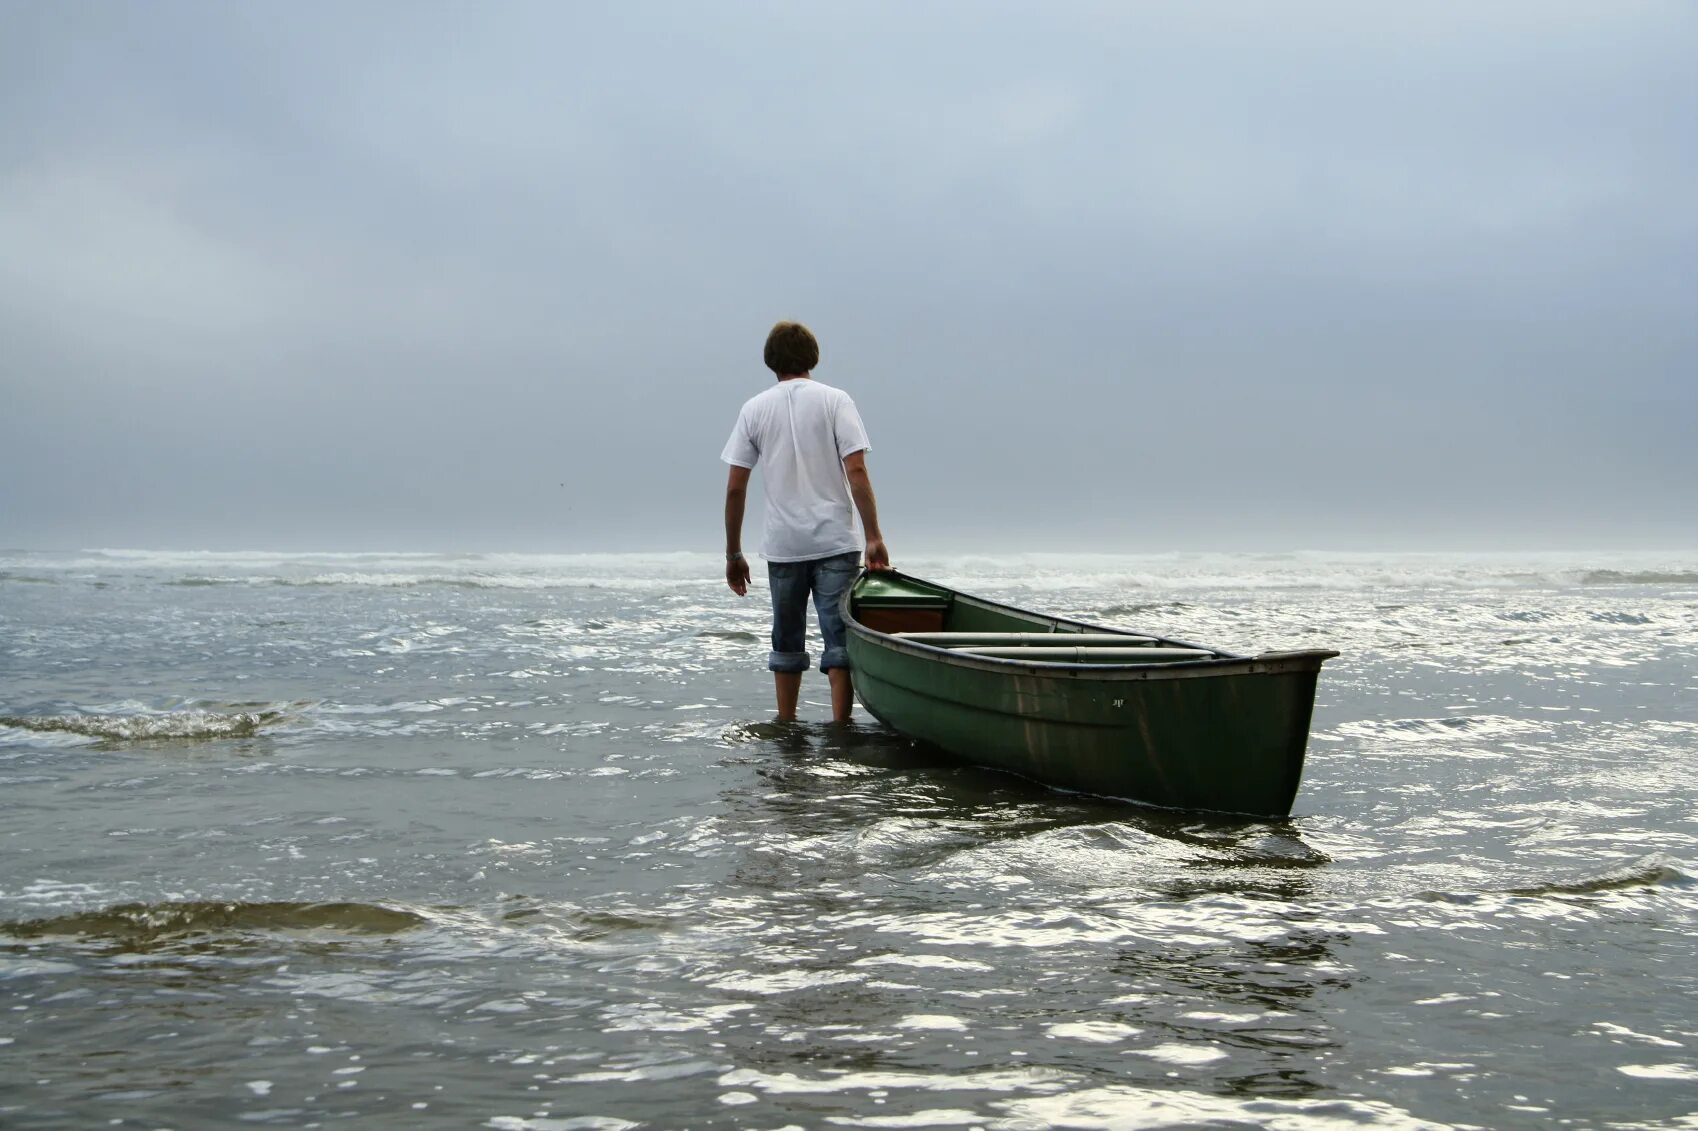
1098	275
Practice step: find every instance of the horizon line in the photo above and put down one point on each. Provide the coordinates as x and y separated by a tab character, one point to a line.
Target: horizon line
928	552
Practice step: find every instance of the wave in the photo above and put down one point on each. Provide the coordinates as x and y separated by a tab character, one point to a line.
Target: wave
176	724
1639	577
171	557
1653	873
1163	573
1453	726
140	926
422	580
1138	610
461	581
445	580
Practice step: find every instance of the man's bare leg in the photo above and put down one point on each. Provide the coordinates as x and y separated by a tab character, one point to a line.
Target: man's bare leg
842	694
789	689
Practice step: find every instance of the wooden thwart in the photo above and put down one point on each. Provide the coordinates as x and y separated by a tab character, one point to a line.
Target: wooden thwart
1018	639
1093	655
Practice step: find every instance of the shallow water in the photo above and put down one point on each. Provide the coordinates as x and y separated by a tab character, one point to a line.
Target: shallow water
297	840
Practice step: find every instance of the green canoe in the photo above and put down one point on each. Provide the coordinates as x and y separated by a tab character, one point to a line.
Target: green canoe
1079	706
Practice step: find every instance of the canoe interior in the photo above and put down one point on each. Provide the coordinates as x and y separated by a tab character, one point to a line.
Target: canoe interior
908	607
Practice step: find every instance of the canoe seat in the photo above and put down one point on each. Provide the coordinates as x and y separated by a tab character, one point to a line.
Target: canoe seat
901	621
1097	655
887	602
1016	639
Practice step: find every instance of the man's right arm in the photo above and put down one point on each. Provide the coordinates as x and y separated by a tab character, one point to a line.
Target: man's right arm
861	490
736	565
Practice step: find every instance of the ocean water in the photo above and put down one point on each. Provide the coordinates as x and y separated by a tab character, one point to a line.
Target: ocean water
510	842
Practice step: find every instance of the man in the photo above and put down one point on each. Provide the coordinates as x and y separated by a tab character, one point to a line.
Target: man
812	449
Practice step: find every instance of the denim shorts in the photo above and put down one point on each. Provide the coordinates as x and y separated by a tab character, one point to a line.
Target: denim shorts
791	582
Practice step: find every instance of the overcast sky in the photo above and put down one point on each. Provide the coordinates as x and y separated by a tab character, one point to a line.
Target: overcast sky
1100	276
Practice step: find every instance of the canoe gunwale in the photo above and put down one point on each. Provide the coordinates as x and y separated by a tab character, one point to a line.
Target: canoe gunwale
1218	664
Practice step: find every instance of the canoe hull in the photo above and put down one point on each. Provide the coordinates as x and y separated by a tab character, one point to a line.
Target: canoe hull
1226	734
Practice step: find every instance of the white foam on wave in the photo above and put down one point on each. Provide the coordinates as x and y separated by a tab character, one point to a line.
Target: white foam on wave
992	1080
1093	1032
372	570
1039	571
1684	1073
48	895
27	967
784	981
134	722
1183	1054
1118	1106
575	1123
1314	570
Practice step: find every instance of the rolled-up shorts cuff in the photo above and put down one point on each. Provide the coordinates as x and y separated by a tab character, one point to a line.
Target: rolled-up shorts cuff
834	658
787	661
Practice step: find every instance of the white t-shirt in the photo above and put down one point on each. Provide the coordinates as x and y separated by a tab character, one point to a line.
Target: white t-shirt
799	431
